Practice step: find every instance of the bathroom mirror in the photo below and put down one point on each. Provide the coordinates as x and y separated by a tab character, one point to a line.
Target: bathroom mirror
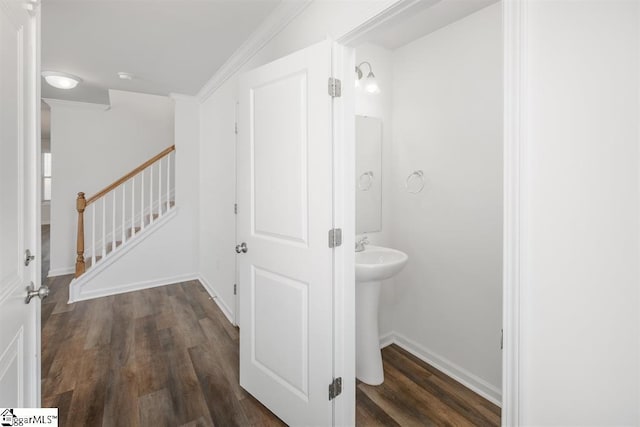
368	174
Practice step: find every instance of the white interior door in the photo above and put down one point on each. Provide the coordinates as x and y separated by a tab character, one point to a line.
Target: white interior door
285	211
19	361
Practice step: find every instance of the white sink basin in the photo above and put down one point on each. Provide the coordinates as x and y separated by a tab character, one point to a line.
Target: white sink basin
378	263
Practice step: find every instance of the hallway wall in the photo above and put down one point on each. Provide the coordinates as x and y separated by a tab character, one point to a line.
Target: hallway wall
580	330
92	146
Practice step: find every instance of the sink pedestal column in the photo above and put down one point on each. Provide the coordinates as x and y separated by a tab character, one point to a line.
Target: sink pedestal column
368	357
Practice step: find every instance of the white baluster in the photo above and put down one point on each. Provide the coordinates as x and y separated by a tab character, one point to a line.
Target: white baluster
168	181
113	221
150	194
124	214
93	234
142	201
160	187
133	206
103	242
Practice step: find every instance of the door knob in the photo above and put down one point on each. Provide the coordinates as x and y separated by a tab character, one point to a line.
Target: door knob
41	293
242	247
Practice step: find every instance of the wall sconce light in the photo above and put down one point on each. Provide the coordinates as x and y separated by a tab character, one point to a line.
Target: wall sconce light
370	83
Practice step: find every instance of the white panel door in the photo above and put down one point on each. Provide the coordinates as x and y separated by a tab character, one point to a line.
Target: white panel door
19	370
284	214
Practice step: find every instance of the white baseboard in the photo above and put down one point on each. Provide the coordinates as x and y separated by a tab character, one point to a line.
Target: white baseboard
461	375
225	309
136	286
54	272
387	339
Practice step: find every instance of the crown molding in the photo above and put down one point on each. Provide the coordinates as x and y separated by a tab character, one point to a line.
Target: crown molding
51	102
395	9
268	29
182	97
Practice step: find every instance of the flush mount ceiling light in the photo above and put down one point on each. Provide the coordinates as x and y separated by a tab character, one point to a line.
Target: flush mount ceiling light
370	83
125	76
61	80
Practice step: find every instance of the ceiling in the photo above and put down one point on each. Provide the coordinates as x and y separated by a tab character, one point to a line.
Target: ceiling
171	46
422	19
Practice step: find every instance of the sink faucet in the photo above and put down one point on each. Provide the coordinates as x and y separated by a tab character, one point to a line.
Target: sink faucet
360	243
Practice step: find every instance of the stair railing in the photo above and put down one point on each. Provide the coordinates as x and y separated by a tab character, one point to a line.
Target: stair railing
123	208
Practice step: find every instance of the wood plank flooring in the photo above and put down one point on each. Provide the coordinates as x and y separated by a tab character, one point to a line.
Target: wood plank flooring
168	357
416	394
165	356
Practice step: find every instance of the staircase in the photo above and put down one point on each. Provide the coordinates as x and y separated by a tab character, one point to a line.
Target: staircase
120	215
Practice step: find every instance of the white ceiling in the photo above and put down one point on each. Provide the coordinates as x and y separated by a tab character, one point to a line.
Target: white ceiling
422	19
171	46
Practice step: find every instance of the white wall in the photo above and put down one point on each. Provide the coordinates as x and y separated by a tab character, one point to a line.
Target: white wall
580	327
218	195
170	254
91	148
447	121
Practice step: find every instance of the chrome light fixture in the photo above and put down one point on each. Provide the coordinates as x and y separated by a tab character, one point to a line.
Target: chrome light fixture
370	83
61	80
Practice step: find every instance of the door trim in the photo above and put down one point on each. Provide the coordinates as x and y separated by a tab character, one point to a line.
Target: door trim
35	152
344	286
516	191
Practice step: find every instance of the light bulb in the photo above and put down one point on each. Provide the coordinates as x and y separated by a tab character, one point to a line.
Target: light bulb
371	84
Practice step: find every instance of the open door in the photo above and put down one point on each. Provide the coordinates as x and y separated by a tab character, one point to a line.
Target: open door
19	337
285	214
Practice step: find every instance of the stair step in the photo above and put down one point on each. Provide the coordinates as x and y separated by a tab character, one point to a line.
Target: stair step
89	260
110	246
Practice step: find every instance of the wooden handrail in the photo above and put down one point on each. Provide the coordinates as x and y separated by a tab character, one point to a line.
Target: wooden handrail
131	174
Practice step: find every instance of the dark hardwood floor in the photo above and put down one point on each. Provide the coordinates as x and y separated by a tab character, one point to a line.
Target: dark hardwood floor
416	394
168	357
165	356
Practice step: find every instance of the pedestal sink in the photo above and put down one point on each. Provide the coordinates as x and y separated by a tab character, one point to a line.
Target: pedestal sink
373	265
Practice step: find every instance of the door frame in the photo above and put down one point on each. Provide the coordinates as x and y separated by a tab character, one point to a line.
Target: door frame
344	202
33	164
515	191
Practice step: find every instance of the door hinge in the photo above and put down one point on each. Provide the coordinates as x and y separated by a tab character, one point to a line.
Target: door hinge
335	237
235	208
235	289
501	339
335	87
235	129
335	388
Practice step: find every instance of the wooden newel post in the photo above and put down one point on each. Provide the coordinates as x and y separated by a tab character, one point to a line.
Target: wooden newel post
81	203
